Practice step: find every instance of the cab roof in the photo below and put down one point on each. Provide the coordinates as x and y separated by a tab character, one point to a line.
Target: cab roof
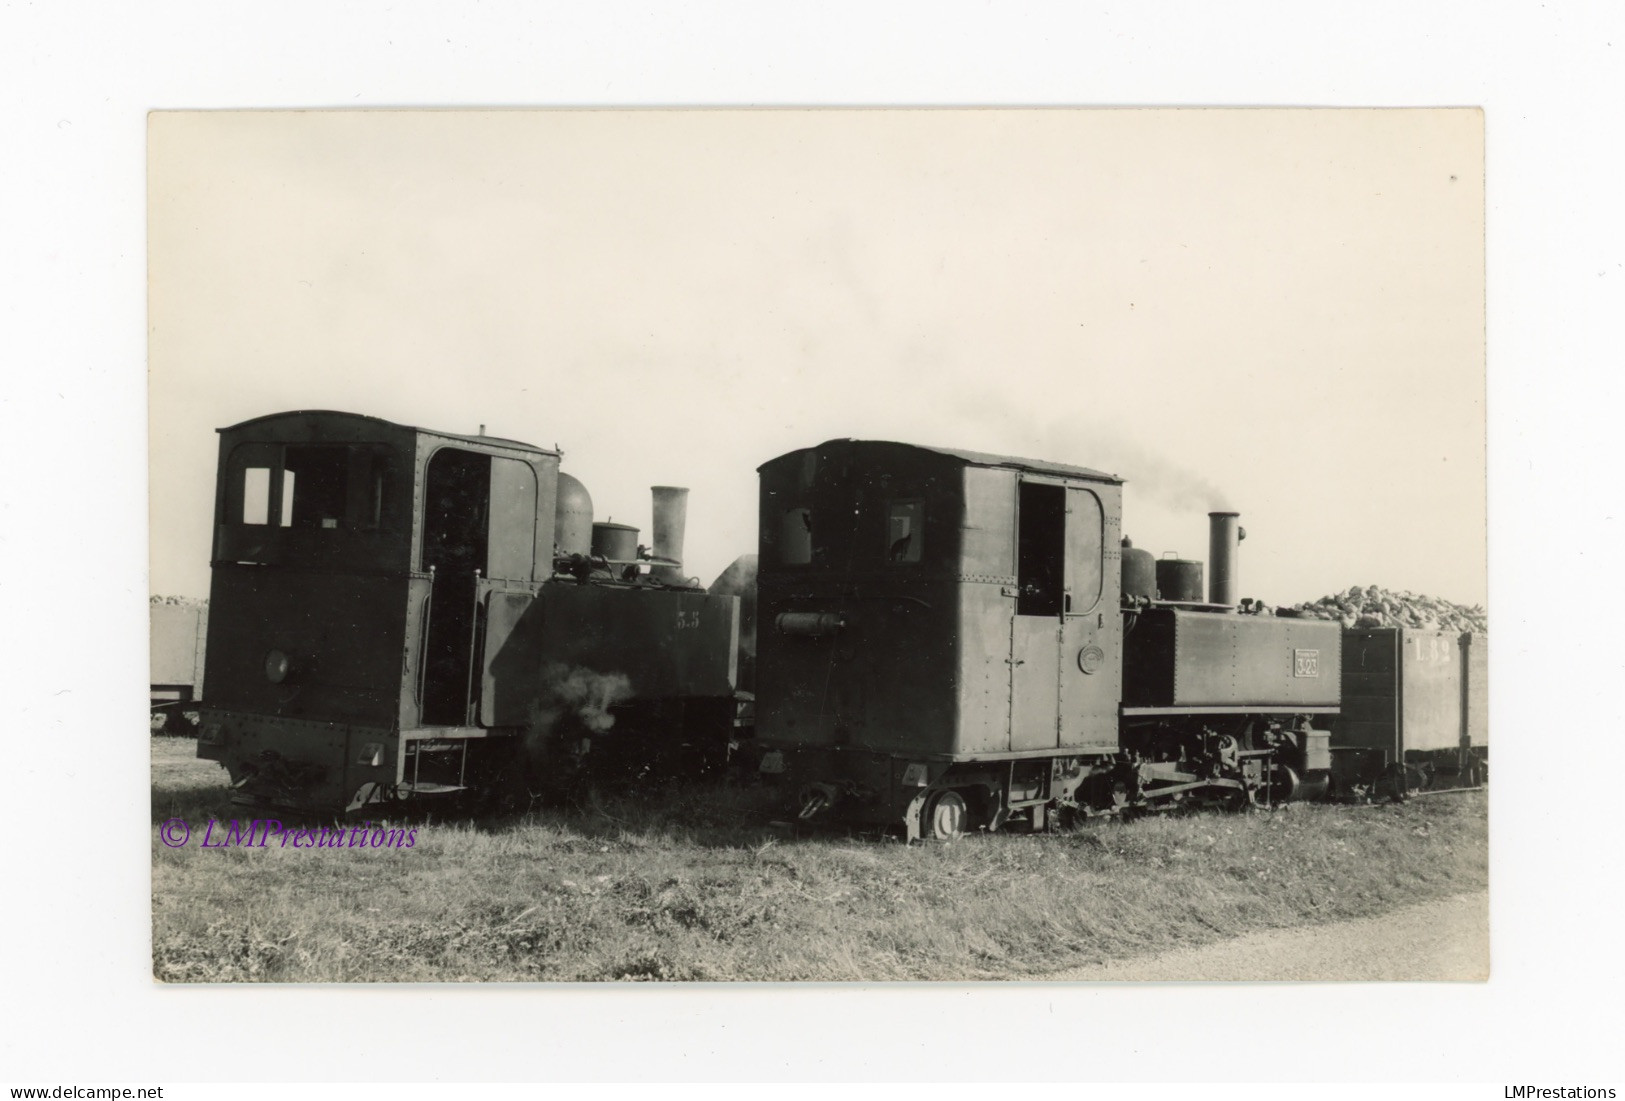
332	414
982	458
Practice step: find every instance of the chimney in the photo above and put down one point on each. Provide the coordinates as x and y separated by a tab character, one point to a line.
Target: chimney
670	519
1224	535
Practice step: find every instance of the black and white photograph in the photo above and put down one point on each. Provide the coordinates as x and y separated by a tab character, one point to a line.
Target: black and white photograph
764	547
821	546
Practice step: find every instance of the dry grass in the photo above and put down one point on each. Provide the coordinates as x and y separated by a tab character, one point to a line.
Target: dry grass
691	884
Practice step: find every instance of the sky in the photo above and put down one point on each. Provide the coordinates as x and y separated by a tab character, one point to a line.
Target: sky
1279	311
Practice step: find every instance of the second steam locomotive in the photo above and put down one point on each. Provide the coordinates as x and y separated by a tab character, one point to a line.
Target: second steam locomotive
951	640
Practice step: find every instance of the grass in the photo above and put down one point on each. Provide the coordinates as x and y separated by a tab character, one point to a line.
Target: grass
692	884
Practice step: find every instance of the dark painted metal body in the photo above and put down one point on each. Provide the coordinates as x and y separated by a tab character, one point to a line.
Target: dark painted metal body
1224	533
401	584
572	529
1139	573
941	633
932	657
667	643
1476	692
1180	579
616	542
1179	658
1414	698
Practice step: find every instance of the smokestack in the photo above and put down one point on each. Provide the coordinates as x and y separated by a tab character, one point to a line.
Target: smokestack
1224	534
670	520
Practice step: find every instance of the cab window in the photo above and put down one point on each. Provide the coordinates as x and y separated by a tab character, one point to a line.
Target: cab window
905	535
311	487
256	495
795	537
315	484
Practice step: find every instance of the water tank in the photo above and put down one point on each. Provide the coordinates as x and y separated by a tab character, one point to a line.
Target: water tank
1180	579
572	520
616	542
1139	572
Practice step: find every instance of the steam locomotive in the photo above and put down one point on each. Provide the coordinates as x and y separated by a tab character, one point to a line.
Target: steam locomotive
952	640
400	613
941	640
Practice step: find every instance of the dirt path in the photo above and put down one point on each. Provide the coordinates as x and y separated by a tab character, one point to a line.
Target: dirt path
1440	940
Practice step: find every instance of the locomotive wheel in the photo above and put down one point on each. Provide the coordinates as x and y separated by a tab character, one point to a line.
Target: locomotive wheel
1315	788
1284	785
945	816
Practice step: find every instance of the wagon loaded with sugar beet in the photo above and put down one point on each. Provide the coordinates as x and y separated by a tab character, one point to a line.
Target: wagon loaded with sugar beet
398	613
1415	715
949	640
1415	711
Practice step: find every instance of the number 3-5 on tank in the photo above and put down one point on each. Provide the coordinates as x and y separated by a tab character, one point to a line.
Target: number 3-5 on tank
1306	663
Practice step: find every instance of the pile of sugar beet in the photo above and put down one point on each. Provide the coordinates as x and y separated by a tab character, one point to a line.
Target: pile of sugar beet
1370	606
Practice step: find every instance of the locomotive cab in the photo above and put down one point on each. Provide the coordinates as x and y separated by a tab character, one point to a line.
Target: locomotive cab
938	630
349	558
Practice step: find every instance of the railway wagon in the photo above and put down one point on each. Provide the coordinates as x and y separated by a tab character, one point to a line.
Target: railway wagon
176	635
944	642
402	613
1415	711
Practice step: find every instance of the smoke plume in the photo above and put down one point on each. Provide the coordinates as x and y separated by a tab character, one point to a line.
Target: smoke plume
1157	479
1094	444
572	706
577	694
739	579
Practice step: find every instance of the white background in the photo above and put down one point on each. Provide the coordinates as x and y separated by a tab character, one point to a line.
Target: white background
76	81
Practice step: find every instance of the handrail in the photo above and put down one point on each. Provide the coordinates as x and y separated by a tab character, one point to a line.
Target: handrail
423	642
475	629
